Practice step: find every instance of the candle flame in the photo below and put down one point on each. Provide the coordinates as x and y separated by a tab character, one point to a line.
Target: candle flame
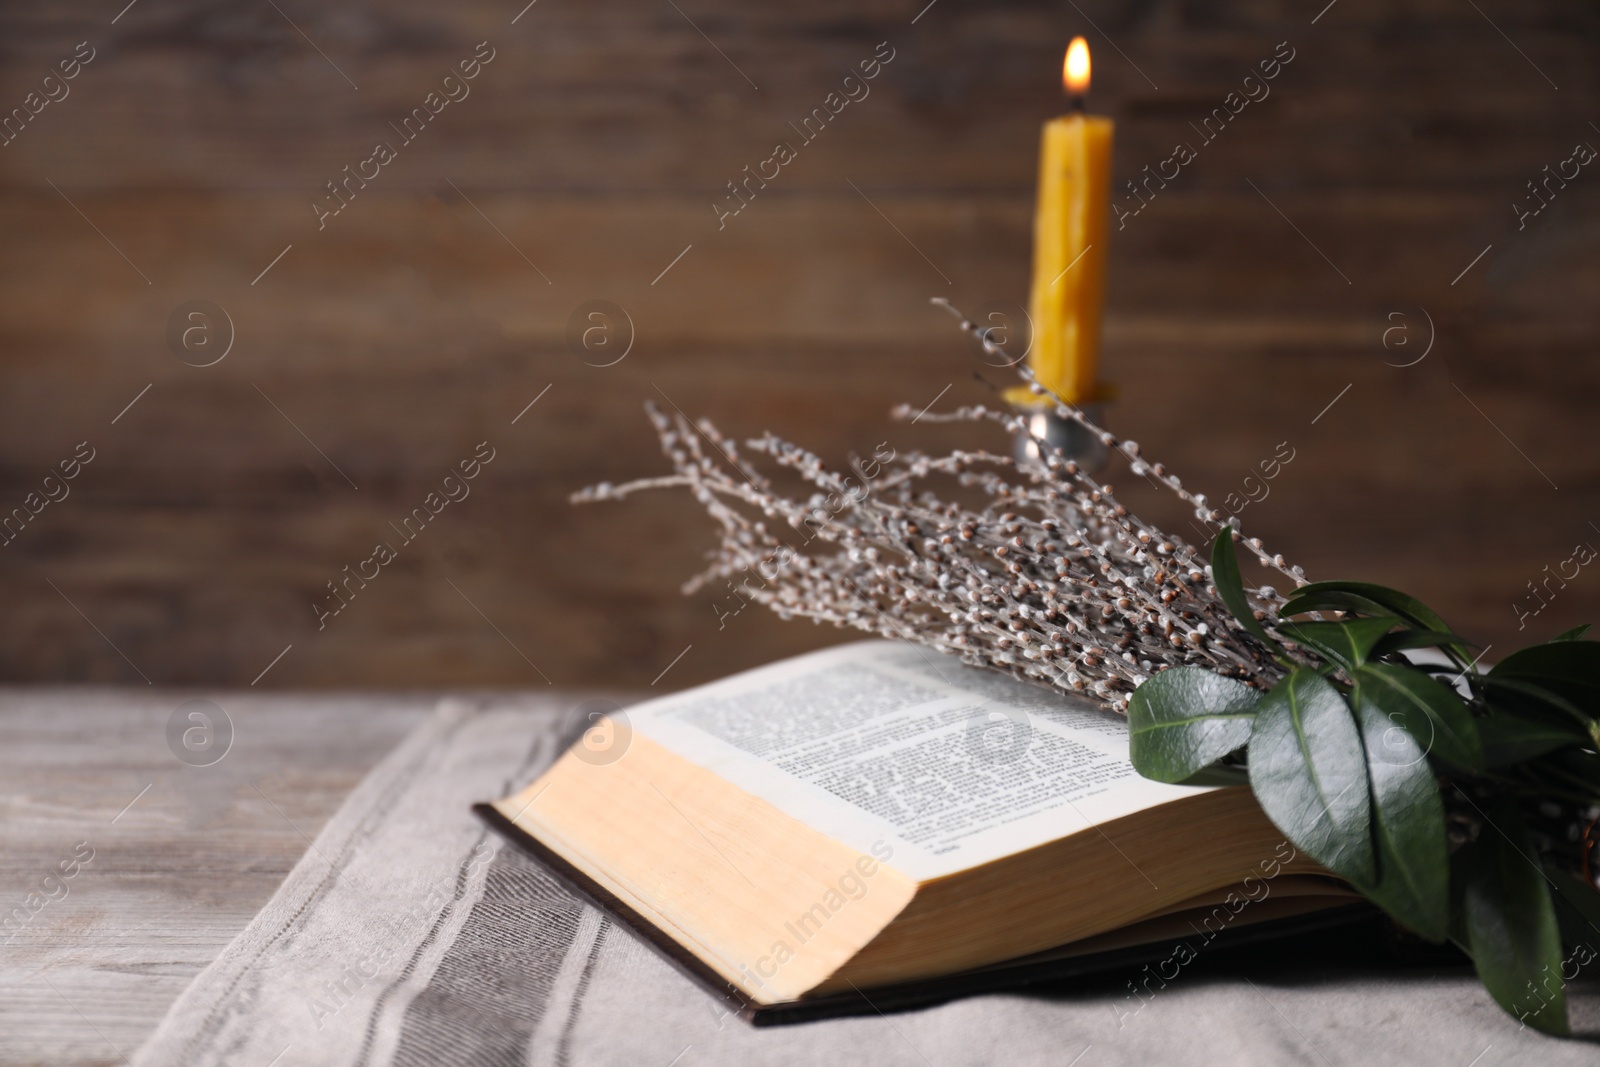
1075	70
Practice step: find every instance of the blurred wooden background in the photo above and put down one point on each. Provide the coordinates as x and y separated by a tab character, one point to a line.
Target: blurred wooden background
424	318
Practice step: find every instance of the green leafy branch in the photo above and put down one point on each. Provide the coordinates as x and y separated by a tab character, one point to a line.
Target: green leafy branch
1429	787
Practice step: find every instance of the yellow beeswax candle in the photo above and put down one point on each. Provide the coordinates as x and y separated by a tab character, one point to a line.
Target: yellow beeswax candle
1070	232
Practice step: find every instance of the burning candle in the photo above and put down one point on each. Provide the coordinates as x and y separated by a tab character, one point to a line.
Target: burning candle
1069	242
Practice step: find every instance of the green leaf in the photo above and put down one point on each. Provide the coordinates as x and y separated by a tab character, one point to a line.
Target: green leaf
1348	643
1330	600
1510	739
1577	912
1577	767
1531	699
1230	587
1364	598
1434	714
1568	668
1225	774
1186	718
1568	659
1388	601
1573	634
1408	828
1309	773
1404	640
1510	923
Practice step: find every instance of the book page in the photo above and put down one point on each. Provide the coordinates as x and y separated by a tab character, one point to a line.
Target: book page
886	742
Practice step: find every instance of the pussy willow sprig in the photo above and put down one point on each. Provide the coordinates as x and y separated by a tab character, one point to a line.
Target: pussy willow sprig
1037	570
1465	803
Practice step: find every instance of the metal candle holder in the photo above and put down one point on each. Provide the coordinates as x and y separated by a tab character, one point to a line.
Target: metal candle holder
1071	439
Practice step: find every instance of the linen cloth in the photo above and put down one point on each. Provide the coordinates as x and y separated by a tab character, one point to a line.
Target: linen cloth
409	934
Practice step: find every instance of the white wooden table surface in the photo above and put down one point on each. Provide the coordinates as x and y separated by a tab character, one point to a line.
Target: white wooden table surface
183	855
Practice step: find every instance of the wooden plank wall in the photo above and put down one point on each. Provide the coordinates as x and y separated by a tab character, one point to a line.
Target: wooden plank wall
379	350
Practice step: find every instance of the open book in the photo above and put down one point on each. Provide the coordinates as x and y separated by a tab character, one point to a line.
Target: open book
877	817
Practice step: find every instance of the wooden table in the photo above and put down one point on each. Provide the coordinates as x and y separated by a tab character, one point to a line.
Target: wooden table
183	856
